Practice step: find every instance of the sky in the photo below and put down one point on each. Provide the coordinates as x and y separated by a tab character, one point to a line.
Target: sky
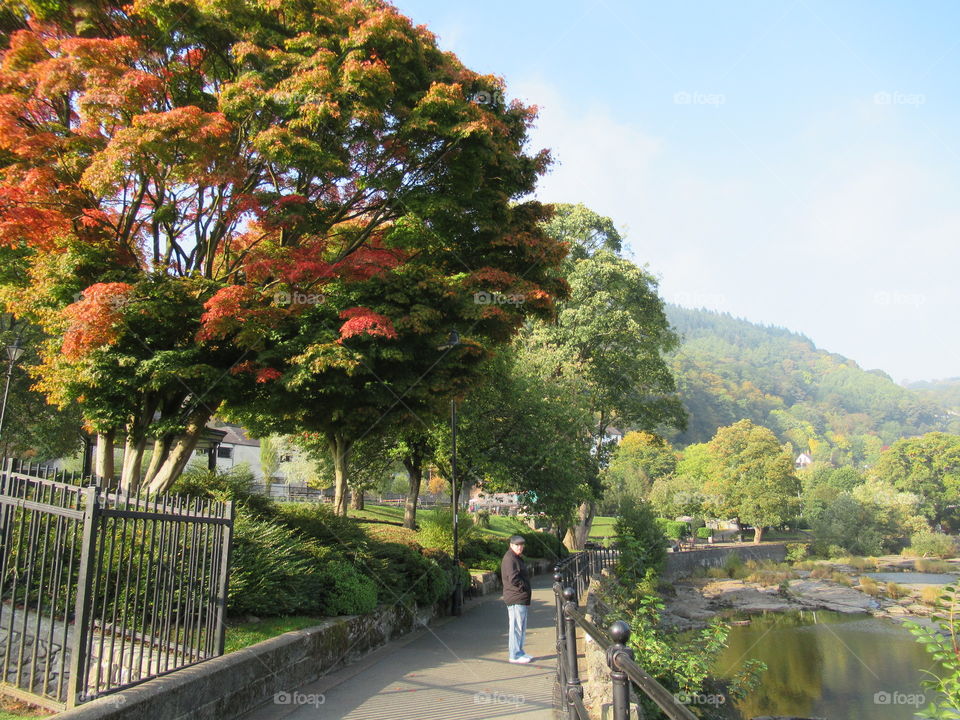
792	163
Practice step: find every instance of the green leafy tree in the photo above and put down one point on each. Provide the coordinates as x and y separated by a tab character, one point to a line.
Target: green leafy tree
930	467
677	495
522	431
32	428
754	477
638	460
611	334
269	459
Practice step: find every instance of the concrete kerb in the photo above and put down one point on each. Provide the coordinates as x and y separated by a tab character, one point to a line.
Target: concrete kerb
235	683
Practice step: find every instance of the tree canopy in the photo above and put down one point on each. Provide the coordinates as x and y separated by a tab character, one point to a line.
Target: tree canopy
201	201
753	477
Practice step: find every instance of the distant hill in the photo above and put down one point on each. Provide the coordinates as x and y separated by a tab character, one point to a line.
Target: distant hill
945	392
728	369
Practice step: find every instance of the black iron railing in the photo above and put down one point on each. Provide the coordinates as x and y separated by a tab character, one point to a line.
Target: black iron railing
574	573
578	569
101	590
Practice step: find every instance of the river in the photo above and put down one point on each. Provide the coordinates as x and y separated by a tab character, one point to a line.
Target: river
829	665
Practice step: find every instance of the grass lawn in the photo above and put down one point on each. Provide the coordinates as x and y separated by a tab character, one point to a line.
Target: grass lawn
245	634
500	525
602	527
383	513
11	709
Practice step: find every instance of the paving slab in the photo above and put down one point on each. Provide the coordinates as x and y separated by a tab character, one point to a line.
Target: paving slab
456	669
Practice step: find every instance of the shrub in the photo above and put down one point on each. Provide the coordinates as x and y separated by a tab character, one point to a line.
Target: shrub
544	545
640	540
841	579
931	566
931	544
796	552
318	522
403	575
221	485
481	519
436	529
348	591
895	591
445	562
673	529
717	572
704	533
483	552
271	572
869	585
929	594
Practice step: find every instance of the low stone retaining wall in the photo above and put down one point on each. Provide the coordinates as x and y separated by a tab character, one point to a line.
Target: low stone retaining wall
228	686
682	564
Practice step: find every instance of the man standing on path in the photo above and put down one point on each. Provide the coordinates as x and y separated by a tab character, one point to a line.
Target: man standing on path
516	595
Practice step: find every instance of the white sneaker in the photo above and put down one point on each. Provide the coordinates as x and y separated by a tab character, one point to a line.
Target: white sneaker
522	660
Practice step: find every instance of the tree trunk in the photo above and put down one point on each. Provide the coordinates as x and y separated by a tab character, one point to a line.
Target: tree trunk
757	534
577	534
356	499
161	448
132	463
181	449
104	463
414	466
340	450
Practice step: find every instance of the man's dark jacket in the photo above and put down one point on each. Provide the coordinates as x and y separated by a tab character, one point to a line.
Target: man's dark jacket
516	581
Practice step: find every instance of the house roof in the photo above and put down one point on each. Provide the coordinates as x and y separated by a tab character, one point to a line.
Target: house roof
233	434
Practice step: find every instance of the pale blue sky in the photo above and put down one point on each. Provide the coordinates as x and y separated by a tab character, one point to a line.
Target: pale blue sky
794	163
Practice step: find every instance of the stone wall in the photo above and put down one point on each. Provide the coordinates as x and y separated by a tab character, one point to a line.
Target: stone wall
230	685
682	564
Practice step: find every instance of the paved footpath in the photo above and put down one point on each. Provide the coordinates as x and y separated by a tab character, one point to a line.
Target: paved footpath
456	669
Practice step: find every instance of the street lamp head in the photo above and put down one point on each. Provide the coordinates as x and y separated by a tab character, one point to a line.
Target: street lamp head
451	342
14	351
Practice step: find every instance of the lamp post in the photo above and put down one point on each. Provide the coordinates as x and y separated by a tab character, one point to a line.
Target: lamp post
14	352
457	608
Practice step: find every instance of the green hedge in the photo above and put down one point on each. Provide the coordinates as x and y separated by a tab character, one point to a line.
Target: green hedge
673	529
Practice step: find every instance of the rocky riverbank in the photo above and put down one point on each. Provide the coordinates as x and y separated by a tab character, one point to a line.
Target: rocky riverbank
695	601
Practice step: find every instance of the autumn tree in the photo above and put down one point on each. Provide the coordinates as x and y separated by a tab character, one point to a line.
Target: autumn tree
210	200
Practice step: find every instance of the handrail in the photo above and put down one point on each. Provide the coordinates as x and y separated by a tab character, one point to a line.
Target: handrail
623	667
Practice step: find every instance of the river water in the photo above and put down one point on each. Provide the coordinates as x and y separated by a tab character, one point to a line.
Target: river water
829	665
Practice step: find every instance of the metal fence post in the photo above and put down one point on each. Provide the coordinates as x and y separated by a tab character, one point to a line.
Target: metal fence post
77	688
557	596
573	672
224	583
620	632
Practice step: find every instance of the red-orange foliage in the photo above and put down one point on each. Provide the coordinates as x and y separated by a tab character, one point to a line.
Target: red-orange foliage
364	321
94	319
